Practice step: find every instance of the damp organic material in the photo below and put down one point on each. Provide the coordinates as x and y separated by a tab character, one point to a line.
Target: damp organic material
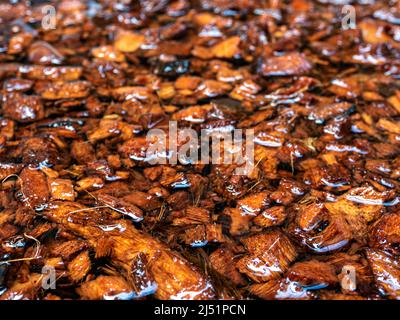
86	215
